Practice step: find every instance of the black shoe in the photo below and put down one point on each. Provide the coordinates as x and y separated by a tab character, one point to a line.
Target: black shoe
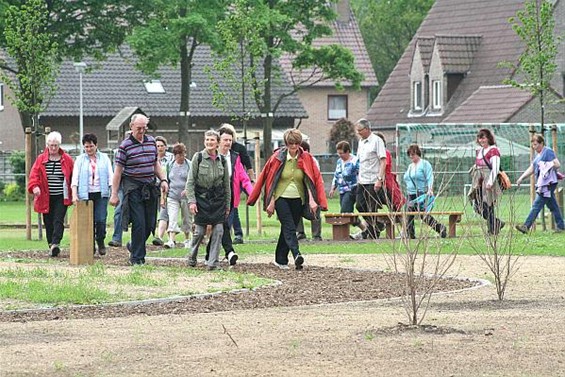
298	262
55	250
522	229
300	236
157	241
115	243
102	250
443	232
317	238
238	241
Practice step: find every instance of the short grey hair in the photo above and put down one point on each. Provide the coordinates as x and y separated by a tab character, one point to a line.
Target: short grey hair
137	116
212	133
53	137
363	123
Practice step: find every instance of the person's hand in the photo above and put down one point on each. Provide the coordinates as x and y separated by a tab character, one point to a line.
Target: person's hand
271	208
331	194
164	187
519	181
36	191
488	186
114	200
313	206
75	199
183	194
378	185
193	208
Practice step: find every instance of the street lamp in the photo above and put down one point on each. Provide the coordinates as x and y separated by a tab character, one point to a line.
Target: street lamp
80	67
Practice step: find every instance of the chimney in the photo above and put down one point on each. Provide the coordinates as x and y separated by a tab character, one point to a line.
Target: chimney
343	11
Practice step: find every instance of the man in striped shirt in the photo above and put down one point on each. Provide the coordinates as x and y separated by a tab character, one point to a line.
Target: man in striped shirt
135	171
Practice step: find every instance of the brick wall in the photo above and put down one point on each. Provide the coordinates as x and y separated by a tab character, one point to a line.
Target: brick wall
317	126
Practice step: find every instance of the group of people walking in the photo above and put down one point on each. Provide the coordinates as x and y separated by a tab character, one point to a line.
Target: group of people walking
150	187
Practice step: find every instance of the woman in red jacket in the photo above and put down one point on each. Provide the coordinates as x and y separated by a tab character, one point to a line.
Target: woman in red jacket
292	180
50	183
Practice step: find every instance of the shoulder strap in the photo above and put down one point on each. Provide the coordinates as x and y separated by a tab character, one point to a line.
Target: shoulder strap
198	161
485	160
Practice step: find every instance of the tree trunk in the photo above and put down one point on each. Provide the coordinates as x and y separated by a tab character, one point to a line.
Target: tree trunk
184	121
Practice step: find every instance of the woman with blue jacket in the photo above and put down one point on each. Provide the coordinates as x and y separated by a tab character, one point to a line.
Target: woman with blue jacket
92	179
419	179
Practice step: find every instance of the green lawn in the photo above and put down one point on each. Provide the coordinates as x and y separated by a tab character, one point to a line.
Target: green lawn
538	243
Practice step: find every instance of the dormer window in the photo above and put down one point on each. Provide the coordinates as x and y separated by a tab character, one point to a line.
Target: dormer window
417	95
436	95
154	86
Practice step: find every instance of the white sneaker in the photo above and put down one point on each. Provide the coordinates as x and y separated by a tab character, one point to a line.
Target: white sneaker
232	258
281	266
357	236
170	244
186	244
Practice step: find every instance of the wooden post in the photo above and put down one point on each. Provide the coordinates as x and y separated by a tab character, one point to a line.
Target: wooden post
257	171
82	233
558	190
29	196
532	131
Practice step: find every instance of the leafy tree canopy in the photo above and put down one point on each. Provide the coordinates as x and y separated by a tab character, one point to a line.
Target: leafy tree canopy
265	30
387	27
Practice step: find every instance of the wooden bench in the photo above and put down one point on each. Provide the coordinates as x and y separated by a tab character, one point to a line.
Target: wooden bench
340	221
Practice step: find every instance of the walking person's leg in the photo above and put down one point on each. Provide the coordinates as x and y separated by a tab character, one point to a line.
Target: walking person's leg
555	210
58	210
215	243
117	235
237	229
199	233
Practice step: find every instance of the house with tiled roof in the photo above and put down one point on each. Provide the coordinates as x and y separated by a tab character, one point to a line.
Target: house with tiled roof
324	103
115	86
451	71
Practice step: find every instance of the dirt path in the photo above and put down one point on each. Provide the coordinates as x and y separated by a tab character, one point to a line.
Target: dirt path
522	336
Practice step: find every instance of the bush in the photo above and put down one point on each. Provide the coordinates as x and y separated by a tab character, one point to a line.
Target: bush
13	192
18	162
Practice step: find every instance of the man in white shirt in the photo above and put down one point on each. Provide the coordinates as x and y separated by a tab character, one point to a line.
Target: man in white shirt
371	194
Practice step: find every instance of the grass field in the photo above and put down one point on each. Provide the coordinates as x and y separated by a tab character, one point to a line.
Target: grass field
537	243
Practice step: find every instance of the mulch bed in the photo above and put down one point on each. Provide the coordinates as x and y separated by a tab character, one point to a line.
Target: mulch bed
313	285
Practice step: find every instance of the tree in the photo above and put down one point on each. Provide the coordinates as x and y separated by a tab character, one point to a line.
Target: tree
171	35
34	54
343	129
74	28
536	65
264	30
387	28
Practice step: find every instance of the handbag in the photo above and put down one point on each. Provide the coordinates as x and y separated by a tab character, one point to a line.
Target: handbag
502	178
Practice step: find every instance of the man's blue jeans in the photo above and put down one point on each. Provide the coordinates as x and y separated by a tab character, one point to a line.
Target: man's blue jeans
142	216
551	203
117	236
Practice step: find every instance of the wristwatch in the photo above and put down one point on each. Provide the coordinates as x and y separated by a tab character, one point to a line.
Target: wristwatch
379	178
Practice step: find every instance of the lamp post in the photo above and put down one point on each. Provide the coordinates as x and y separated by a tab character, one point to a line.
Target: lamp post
80	67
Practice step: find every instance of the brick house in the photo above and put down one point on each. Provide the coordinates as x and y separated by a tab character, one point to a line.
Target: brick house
323	102
450	71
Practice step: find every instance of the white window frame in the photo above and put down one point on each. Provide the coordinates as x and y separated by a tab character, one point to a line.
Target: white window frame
417	95
337	113
1	96
436	95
